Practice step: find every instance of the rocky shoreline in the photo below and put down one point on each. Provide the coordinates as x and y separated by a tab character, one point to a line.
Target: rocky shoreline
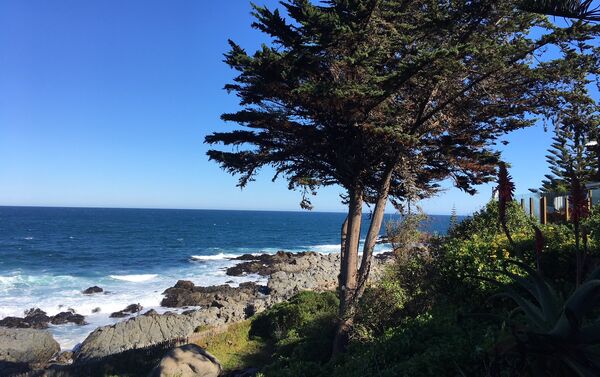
203	307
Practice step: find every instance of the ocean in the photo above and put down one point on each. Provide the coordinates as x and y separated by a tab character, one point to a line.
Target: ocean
49	255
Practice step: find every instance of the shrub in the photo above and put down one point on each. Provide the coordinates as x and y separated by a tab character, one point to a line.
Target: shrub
436	343
592	224
404	234
303	330
299	317
485	222
404	290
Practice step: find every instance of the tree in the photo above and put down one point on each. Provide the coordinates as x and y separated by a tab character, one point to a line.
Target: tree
453	218
384	98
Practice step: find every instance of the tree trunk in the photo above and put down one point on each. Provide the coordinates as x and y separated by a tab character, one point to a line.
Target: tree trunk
343	251
578	258
373	234
348	271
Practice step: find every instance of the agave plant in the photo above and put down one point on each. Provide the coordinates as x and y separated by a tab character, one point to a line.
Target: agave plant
554	336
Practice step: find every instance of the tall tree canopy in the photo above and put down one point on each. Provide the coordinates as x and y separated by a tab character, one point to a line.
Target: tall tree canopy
386	98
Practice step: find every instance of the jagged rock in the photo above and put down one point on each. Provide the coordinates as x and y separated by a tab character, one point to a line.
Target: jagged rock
29	346
187	361
264	264
142	331
151	312
34	318
38	319
96	310
68	317
65	357
92	290
185	293
129	310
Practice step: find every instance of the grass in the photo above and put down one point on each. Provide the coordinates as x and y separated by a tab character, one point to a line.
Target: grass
235	348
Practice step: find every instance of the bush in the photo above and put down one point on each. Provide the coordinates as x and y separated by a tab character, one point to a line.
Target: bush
404	290
299	317
433	344
592	223
302	329
478	247
485	222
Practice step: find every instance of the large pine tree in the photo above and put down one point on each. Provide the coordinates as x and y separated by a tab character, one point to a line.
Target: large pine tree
385	98
576	123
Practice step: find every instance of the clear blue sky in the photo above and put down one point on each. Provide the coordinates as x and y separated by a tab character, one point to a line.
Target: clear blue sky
106	103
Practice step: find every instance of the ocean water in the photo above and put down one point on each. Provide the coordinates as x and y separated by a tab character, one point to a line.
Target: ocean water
49	255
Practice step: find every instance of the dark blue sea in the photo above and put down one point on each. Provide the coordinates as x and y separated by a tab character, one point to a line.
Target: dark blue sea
49	255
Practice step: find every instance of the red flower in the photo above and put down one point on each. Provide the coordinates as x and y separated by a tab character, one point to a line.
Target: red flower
578	201
506	188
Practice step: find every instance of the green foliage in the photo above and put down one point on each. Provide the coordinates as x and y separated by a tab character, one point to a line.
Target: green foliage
405	289
303	330
559	337
379	307
235	348
300	317
484	222
406	232
435	343
592	224
478	247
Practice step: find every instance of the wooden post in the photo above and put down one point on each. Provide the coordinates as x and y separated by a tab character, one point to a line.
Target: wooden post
543	210
523	204
567	211
531	208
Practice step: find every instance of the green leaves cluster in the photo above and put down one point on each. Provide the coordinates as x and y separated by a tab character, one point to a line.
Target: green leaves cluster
349	89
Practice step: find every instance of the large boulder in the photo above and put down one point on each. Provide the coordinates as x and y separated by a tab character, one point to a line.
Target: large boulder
143	331
187	361
28	346
185	293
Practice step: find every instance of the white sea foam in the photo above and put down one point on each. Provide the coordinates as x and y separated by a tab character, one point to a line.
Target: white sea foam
325	249
134	278
220	256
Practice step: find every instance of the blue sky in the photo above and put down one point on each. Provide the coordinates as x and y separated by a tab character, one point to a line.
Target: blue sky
106	103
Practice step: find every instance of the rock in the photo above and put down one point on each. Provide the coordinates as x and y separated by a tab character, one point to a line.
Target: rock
185	293
129	310
187	361
151	312
34	318
68	317
264	264
92	290
133	308
142	331
65	357
96	310
30	346
13	369
14	322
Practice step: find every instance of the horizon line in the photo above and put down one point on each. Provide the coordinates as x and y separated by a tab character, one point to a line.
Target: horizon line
199	209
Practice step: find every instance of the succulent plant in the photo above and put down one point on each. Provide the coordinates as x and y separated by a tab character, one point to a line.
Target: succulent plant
554	336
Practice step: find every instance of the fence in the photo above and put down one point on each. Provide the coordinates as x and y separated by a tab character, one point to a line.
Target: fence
552	207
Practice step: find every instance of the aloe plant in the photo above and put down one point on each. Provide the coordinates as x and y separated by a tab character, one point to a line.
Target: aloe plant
555	336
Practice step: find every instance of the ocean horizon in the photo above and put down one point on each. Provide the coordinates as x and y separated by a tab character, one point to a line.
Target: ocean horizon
49	255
